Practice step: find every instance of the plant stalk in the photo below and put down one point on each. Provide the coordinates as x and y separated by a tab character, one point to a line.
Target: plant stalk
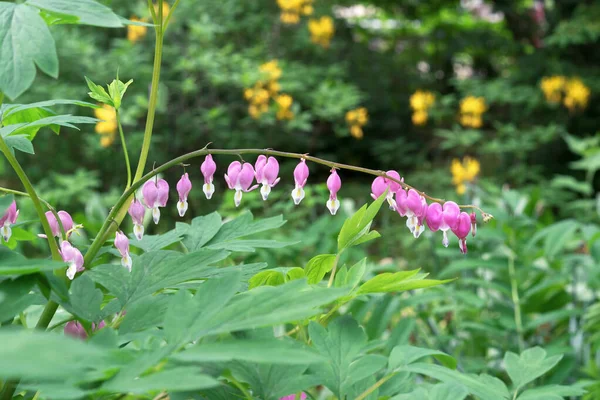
125	153
516	301
376	385
332	275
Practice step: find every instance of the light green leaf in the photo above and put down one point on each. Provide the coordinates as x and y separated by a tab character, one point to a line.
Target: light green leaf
398	281
356	228
98	93
178	379
355	273
448	391
85	300
116	90
62	120
12	109
15	296
30	115
318	266
531	364
156	242
25	41
551	392
200	231
12	263
19	142
273	351
88	12
266	278
404	355
555	236
294	273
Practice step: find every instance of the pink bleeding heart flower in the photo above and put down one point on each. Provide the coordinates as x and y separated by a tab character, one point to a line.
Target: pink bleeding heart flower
9	218
73	257
294	397
156	194
334	183
416	206
461	230
267	170
239	177
65	219
184	186
122	244
442	218
76	330
137	212
473	223
401	202
300	177
208	169
380	184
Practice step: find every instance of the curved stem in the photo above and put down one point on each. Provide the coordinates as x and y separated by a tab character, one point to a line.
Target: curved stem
118	210
37	204
153	94
335	263
125	153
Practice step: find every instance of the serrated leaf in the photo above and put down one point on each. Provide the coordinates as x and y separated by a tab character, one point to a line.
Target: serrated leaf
88	12
530	365
98	93
318	266
144	314
201	230
85	299
156	242
116	90
404	355
25	41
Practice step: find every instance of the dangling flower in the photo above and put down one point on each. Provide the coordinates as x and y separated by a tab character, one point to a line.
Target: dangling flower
267	170
416	206
156	194
294	397
461	230
184	186
442	218
473	224
380	184
122	244
239	178
300	178
208	169
137	212
65	219
401	198
73	257
9	218
334	183
76	330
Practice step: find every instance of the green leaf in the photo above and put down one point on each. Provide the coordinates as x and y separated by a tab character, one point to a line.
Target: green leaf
19	142
144	314
448	391
62	120
266	278
355	273
318	266
15	296
12	263
274	351
30	115
88	12
156	242
85	300
5	201
176	379
356	228
25	41
294	273
98	93
404	355
531	364
116	90
12	109
200	231
398	281
555	236
551	392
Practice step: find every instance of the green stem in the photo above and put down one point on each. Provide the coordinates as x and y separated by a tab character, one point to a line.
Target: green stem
153	94
37	204
240	387
173	7
370	390
125	153
516	301
127	194
1	98
335	263
152	11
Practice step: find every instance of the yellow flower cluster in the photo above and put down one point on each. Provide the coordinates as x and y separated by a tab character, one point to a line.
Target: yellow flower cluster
573	93
266	88
471	110
136	32
463	172
107	127
420	102
291	10
356	119
321	31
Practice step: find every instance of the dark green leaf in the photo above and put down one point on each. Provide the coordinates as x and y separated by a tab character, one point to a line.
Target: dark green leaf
20	142
15	296
200	231
85	300
12	263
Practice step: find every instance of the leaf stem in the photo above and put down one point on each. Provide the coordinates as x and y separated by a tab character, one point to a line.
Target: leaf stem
173	7
125	153
332	275
516	301
370	390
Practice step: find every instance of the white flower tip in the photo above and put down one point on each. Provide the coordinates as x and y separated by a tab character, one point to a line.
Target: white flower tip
208	189
182	207
237	198
138	231
126	262
418	230
333	206
156	215
298	195
445	240
462	244
6	233
71	271
392	203
264	191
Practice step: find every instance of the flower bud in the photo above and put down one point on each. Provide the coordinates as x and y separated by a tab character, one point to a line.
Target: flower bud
65	219
122	244
380	184
184	186
76	330
208	169
334	183
473	223
9	218
300	177
137	212
156	194
461	230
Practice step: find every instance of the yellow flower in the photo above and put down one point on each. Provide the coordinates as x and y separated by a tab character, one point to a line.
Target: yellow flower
271	69
291	10
421	100
289	18
577	94
419	118
166	9
108	117
107	140
284	102
248	93
136	32
307	9
461	188
471	110
321	31
462	172
553	87
356	131
274	87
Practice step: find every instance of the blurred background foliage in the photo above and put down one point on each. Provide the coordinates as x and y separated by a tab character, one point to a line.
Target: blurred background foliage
485	102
